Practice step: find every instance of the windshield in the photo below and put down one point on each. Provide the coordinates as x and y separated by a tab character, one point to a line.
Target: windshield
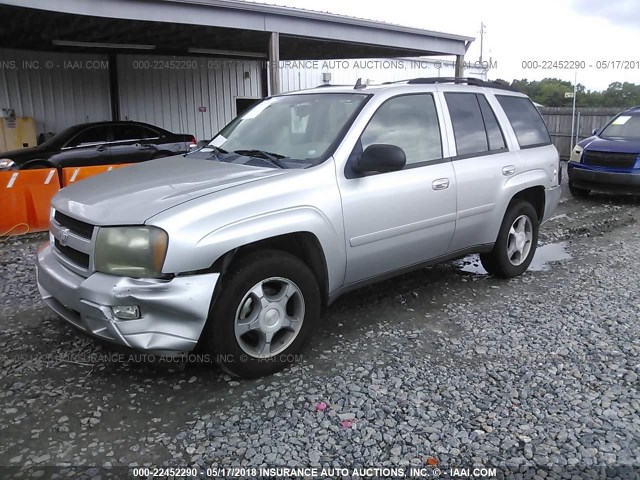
290	129
623	126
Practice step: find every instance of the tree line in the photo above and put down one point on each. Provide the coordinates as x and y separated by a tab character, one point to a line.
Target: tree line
550	92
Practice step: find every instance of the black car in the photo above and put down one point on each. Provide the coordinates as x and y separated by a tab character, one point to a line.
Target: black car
101	143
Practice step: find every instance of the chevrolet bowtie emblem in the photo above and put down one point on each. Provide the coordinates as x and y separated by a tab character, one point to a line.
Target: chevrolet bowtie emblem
64	236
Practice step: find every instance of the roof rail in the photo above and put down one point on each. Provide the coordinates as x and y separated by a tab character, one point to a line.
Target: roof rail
458	80
322	85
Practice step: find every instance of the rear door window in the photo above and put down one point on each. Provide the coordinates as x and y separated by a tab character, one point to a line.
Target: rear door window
526	121
468	125
494	134
131	132
92	135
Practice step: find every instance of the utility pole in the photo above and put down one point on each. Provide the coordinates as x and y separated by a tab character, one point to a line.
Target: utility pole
573	111
481	40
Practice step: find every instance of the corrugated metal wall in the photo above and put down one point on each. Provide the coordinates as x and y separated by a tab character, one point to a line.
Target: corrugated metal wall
174	95
57	90
195	95
297	75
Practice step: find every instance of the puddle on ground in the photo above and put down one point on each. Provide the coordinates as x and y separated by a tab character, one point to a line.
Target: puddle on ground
545	254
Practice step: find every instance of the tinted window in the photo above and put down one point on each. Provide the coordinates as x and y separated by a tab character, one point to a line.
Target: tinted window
468	126
526	121
494	134
409	122
132	132
90	135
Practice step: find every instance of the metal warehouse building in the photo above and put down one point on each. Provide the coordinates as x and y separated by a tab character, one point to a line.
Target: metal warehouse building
185	65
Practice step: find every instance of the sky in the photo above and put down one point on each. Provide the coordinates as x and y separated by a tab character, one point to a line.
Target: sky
542	31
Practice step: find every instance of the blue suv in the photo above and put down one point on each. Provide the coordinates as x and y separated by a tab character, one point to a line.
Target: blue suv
609	161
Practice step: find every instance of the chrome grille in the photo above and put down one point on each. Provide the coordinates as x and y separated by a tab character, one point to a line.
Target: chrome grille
78	227
79	258
72	242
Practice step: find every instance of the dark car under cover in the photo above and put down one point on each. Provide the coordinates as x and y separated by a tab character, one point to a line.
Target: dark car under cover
100	143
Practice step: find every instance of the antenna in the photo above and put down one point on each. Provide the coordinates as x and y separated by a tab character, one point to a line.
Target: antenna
359	85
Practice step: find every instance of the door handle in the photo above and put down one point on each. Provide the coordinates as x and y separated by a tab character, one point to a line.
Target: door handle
508	170
440	184
101	148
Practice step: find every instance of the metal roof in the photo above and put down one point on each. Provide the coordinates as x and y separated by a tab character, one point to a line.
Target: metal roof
223	24
320	15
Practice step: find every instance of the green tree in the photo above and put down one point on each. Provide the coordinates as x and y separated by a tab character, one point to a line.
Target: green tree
550	92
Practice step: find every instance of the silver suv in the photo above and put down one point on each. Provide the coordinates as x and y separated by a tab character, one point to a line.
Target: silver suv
236	247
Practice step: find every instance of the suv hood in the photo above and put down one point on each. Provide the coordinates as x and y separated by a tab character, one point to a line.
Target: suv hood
612	145
131	195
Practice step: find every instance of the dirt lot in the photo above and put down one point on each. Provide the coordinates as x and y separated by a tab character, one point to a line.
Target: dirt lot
538	374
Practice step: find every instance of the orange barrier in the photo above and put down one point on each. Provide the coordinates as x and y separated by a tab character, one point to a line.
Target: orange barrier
75	174
25	196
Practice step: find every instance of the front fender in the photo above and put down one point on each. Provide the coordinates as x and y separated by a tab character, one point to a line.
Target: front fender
212	245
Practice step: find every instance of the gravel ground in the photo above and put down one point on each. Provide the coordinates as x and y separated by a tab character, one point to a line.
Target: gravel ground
537	375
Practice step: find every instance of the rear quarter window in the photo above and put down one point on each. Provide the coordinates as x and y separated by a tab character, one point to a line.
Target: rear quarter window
526	121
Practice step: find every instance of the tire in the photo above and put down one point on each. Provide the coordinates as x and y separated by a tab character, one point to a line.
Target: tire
500	262
239	324
578	192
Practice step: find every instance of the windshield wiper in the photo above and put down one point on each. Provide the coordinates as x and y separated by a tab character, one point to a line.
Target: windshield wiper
274	158
216	151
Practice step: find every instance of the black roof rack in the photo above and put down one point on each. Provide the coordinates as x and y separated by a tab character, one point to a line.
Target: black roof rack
477	82
332	85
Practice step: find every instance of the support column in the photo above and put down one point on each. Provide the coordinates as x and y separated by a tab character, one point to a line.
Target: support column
459	65
114	90
274	63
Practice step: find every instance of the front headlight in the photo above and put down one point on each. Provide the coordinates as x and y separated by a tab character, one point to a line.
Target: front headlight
576	154
131	251
6	163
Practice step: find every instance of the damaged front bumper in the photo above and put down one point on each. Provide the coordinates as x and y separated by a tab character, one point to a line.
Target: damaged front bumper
172	312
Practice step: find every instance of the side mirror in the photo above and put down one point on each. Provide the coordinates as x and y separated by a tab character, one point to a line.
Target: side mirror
380	158
595	131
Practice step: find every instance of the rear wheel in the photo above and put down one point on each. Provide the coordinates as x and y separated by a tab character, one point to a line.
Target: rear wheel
578	192
264	314
516	243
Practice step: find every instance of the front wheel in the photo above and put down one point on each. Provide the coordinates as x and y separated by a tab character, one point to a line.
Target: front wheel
516	243
263	315
578	192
